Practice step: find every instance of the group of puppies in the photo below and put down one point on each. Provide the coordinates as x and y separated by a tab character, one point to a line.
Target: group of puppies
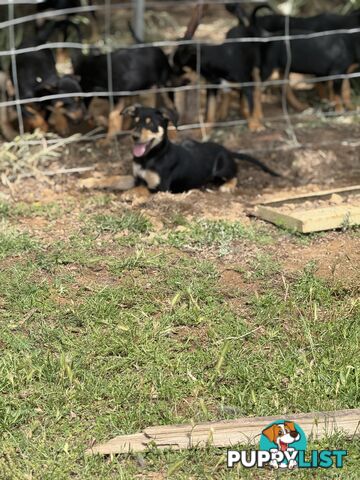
59	101
142	68
325	55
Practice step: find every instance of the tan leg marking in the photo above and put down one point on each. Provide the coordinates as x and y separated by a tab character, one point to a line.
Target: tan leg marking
229	186
180	102
255	125
6	128
116	182
244	107
95	36
254	120
224	107
293	101
115	124
330	85
346	88
59	122
257	95
321	90
98	112
211	109
339	107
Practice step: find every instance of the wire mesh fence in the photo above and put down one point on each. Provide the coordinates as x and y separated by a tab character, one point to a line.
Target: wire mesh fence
105	13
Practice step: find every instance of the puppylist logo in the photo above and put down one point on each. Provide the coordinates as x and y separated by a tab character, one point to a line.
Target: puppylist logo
283	445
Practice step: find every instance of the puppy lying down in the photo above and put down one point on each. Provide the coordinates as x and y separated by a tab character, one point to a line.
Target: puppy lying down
163	166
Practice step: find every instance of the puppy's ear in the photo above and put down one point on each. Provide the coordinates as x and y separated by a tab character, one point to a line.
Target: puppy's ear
271	433
171	115
291	426
130	110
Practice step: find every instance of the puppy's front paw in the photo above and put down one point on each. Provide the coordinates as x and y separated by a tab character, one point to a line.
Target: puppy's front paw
104	142
256	126
136	195
229	187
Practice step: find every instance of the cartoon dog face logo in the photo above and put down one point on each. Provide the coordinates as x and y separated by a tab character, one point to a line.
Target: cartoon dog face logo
282	434
284	440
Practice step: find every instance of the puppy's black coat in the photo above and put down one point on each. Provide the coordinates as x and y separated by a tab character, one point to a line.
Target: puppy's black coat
320	56
37	77
317	23
135	69
164	166
50	25
233	62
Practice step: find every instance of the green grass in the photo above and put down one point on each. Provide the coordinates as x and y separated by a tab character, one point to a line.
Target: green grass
218	235
134	222
264	265
13	242
101	338
49	210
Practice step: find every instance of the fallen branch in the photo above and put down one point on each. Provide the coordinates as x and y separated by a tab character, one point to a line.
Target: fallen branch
52	173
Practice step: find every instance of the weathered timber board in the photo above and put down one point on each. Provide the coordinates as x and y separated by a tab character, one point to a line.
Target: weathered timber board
314	219
227	432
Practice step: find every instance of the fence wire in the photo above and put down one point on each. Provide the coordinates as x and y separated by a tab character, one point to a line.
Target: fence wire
107	7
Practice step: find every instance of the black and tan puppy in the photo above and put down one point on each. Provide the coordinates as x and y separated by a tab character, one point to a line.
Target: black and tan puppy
327	55
230	62
37	77
135	69
163	166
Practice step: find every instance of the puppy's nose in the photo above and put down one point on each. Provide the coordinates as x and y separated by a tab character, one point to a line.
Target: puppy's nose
294	434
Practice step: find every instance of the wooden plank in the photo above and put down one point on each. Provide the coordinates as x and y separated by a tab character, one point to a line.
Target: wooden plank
328	218
313	220
278	218
312	195
226	433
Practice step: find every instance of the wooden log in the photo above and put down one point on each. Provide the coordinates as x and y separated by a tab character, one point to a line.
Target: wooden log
226	433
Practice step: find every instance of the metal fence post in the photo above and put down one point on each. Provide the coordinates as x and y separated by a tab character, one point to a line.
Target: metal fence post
138	18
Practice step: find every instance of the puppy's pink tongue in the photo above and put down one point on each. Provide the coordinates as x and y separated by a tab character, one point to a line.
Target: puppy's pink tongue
139	149
283	446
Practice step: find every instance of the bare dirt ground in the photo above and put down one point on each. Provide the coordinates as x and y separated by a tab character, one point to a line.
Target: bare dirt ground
334	163
65	276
